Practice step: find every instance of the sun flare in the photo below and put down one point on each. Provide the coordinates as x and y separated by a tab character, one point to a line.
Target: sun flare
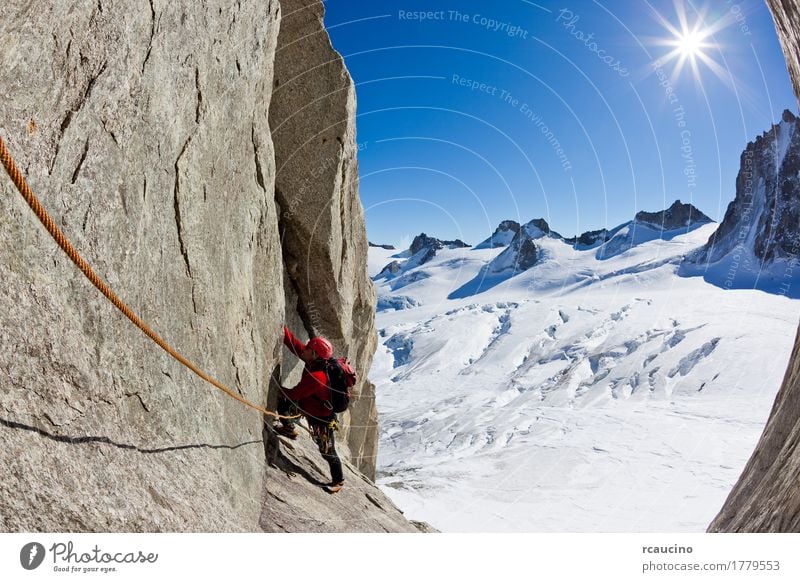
691	41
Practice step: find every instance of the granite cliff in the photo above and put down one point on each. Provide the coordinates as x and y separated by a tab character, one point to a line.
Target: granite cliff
202	157
761	219
766	497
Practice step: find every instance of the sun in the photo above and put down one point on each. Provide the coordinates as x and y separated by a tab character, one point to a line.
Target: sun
690	45
691	42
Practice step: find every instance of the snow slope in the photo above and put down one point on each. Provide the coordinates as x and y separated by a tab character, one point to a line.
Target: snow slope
579	395
378	258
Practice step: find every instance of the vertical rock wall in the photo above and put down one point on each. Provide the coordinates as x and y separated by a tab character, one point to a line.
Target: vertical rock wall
144	128
786	14
322	222
767	497
762	218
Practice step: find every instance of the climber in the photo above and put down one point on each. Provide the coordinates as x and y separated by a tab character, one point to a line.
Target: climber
310	398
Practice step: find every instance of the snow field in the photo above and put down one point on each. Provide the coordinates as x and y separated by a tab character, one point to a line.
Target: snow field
580	395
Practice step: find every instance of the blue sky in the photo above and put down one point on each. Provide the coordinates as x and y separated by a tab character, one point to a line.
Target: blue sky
471	112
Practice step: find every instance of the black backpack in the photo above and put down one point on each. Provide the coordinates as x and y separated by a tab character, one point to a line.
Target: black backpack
341	377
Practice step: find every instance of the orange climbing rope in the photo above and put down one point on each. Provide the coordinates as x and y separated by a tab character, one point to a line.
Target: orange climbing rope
72	253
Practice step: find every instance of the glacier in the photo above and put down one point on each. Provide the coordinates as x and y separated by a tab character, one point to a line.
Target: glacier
579	395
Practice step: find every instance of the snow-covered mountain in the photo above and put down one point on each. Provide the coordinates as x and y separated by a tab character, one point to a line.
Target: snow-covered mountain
521	253
385	247
756	244
502	236
679	218
423	248
423	242
590	238
579	393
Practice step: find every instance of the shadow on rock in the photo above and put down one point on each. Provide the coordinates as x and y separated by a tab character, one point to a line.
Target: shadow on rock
80	440
276	459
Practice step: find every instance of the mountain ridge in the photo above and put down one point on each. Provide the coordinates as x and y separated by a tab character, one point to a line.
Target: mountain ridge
522	251
673	217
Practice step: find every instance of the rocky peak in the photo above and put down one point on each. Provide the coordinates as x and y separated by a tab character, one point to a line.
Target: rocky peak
501	236
390	270
538	224
509	229
679	215
424	241
507	225
387	247
521	254
423	248
590	238
762	218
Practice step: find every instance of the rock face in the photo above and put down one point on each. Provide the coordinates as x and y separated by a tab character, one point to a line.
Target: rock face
522	253
787	22
296	501
321	219
397	303
423	248
387	247
390	270
502	235
763	217
541	224
678	219
422	256
766	497
679	215
423	241
149	135
129	136
590	238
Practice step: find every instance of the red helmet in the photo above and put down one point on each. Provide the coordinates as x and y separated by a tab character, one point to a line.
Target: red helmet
321	346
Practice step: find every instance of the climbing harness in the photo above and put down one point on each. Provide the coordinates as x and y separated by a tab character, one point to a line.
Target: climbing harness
322	432
75	257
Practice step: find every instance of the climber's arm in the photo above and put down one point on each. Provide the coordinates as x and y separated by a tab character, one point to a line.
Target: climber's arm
295	345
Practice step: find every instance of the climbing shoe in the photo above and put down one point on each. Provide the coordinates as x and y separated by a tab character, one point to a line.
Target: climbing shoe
333	487
286	430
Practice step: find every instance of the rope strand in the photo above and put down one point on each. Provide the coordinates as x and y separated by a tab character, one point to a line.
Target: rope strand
62	241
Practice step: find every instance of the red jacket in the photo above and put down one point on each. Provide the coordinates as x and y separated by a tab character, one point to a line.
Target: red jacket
312	392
